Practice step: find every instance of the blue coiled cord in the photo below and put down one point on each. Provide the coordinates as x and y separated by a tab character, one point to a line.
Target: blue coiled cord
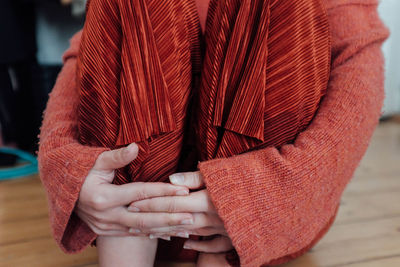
19	171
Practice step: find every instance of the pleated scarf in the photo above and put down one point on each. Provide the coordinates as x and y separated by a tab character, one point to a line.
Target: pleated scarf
255	79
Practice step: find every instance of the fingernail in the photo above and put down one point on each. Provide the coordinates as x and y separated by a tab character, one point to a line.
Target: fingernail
168	238
187	221
133	209
177	178
183	234
132	230
187	246
182	193
131	146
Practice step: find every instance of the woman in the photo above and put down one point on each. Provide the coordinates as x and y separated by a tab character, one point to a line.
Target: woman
271	204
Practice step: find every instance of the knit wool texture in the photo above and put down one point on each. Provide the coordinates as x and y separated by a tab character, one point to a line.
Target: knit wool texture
289	196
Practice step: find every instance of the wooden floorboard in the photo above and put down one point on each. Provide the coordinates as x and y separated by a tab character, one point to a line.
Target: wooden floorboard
366	232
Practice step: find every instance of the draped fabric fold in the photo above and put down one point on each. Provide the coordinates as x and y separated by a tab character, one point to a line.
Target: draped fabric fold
233	83
135	81
144	95
145	104
243	68
265	70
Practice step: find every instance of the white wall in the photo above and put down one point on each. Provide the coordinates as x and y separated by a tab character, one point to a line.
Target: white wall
389	11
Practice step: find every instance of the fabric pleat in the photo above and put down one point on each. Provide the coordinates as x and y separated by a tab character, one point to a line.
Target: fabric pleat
265	70
134	76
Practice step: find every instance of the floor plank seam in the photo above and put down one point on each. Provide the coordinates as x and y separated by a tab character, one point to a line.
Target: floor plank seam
328	244
371	219
363	261
25	241
25	218
86	264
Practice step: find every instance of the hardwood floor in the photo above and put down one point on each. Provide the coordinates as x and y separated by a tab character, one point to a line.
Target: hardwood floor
366	232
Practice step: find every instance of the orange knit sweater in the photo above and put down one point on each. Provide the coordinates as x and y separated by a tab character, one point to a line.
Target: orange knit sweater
289	196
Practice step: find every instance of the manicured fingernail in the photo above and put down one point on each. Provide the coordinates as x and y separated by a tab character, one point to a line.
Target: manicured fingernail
187	221
132	230
177	178
131	146
183	234
187	246
133	209
182	193
129	149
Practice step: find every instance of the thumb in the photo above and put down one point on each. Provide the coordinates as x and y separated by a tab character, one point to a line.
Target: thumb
117	158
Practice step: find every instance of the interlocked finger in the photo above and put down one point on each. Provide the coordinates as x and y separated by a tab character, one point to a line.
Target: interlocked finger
192	180
98	231
110	227
141	220
118	195
204	224
195	202
217	245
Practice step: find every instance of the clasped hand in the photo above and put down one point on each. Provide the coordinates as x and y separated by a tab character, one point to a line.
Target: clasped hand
157	210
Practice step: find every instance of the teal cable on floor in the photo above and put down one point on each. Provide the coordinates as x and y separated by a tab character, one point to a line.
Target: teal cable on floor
19	171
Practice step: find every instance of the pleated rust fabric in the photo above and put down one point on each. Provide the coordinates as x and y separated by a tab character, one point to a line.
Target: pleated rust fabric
254	79
134	75
265	70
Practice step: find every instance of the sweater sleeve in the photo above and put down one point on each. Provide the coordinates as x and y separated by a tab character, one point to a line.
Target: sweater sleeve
277	202
63	162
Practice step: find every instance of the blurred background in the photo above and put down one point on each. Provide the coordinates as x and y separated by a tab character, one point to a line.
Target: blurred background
35	33
389	10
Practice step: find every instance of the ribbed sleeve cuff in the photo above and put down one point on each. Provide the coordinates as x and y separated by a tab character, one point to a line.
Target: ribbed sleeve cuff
64	179
223	179
269	217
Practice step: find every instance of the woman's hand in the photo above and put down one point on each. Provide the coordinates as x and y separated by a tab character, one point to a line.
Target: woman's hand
103	206
206	219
